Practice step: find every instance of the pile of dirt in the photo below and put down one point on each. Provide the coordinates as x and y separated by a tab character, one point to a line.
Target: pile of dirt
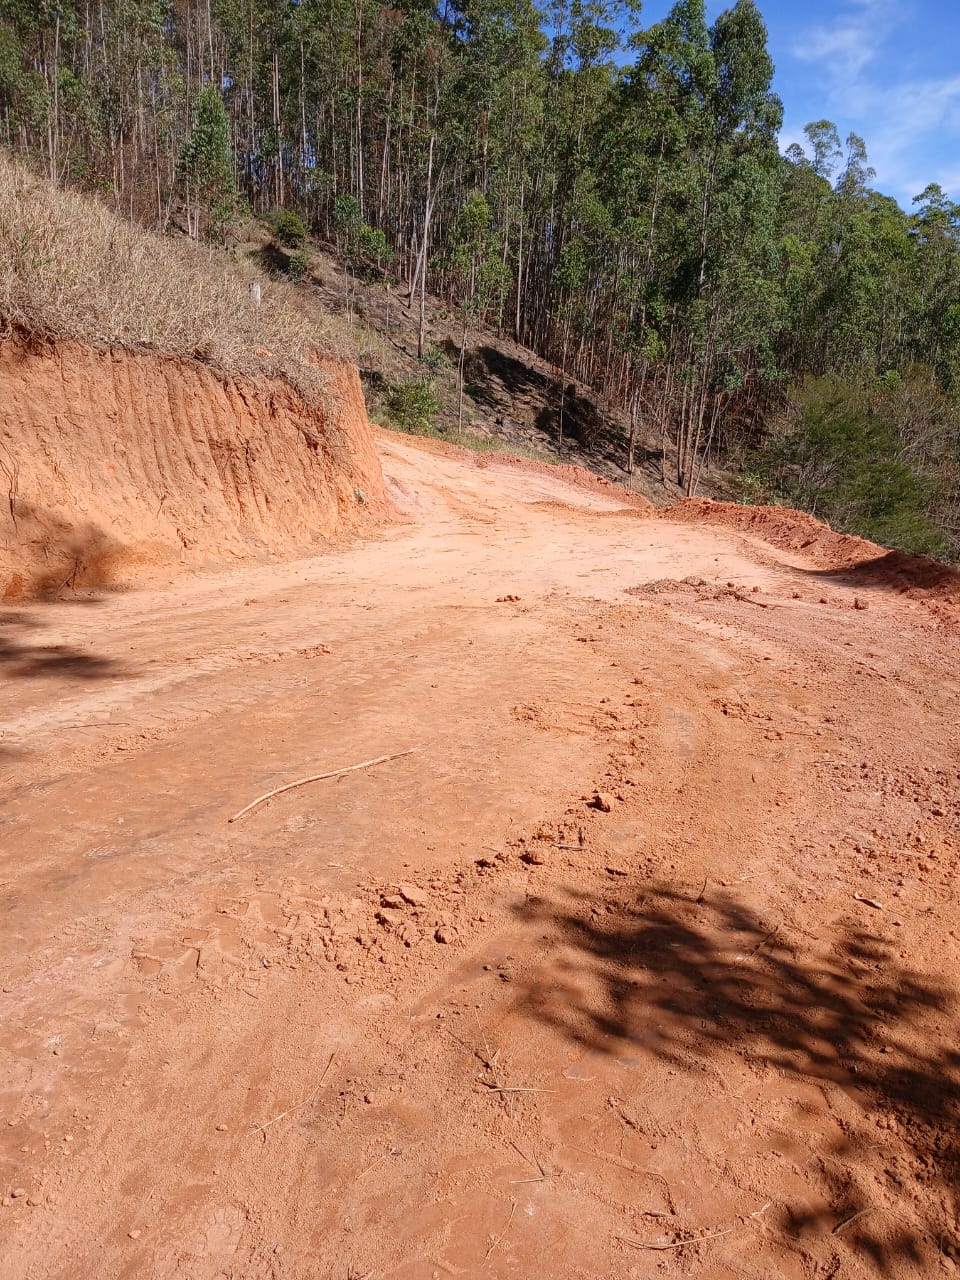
862	562
115	463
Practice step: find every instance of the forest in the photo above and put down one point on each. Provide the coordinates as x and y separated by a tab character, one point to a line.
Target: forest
611	195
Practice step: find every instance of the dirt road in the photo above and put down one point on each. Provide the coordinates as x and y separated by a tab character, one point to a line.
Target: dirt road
644	963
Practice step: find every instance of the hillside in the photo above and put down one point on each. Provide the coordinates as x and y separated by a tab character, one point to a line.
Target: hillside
603	186
512	396
441	835
155	414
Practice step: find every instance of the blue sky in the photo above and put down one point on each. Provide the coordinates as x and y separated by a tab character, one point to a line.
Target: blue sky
886	69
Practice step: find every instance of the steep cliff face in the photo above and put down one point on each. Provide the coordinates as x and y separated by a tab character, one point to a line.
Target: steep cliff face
115	463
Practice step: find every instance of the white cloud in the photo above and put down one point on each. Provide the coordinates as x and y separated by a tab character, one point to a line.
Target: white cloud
847	46
907	123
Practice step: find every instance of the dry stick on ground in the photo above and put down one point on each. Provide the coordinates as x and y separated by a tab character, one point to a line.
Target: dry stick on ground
879	1208
747	600
520	1182
319	777
620	1162
499	1088
842	1226
502	1233
763	941
490	1061
297	1105
713	1235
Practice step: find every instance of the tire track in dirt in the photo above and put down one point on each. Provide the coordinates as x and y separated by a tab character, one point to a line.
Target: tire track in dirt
581	989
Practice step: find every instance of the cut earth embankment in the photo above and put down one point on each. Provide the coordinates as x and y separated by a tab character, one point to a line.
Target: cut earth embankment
117	463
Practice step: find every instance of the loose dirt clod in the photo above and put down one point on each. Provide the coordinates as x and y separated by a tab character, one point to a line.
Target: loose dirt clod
413	894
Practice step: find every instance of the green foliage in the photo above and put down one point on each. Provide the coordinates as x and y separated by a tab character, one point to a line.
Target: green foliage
372	246
839	453
298	264
436	359
289	229
413	405
346	216
206	166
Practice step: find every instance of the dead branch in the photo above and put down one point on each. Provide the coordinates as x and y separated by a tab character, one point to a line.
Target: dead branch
319	777
502	1233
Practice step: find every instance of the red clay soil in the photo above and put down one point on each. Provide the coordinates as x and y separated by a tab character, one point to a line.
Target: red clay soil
569	474
645	963
115	463
865	562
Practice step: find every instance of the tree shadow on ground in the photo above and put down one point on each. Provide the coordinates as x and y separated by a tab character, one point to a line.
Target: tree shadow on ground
24	656
698	984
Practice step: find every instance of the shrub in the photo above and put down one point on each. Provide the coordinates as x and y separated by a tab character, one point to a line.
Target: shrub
373	246
346	216
436	359
844	452
298	263
413	405
289	229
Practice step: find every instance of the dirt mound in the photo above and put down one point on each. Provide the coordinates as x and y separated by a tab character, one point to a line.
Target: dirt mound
115	462
580	477
861	561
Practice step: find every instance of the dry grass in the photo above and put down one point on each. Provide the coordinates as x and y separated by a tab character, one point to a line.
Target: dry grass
70	267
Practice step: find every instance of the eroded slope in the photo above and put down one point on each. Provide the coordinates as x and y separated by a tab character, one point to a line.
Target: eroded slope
115	463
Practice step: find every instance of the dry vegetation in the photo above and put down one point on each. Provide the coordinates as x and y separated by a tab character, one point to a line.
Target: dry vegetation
70	267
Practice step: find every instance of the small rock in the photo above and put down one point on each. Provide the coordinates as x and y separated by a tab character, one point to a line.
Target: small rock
392	901
860	604
34	1202
221	1128
18	1193
445	934
135	1234
413	894
535	857
390	919
602	800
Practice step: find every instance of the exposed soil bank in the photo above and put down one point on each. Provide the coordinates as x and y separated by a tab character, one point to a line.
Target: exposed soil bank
115	462
789	530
